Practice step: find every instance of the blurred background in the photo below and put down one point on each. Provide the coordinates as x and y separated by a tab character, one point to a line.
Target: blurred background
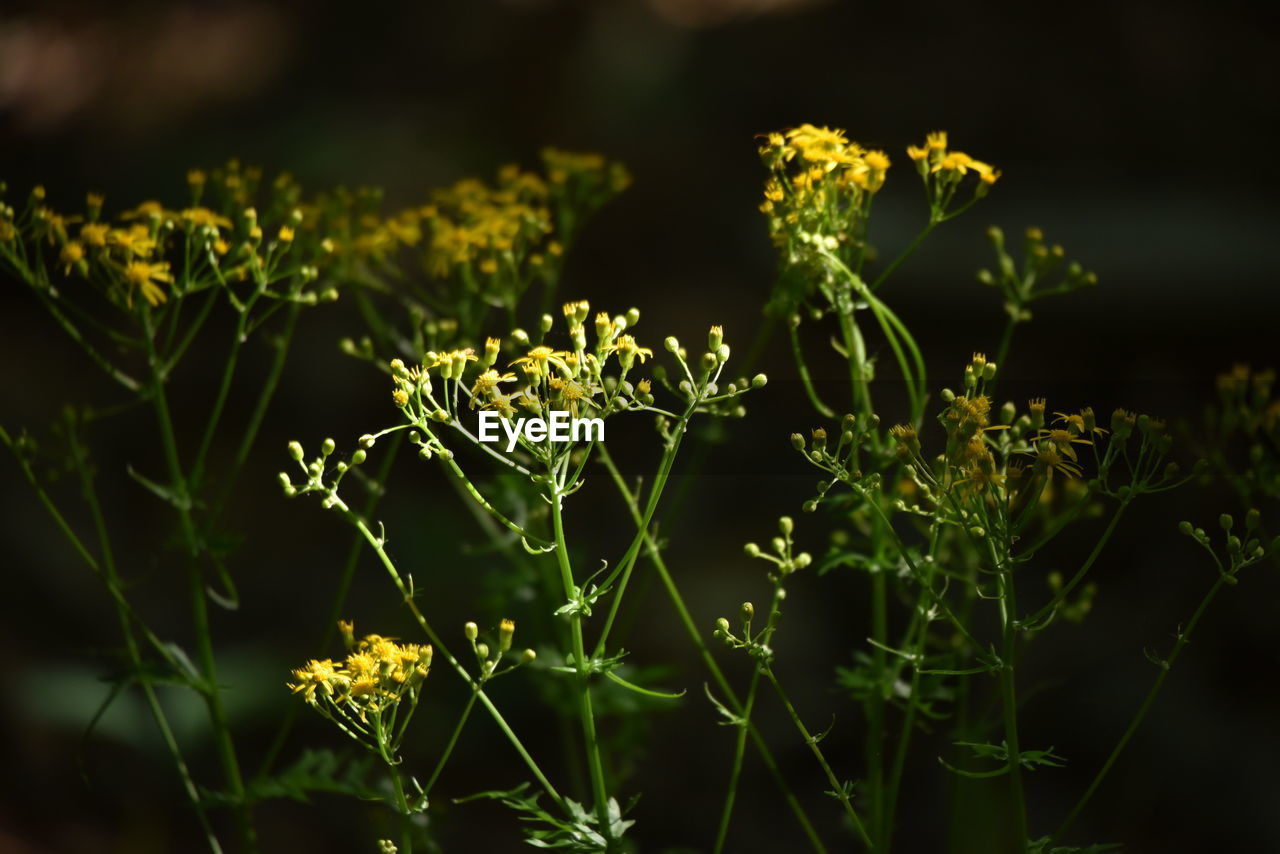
1138	135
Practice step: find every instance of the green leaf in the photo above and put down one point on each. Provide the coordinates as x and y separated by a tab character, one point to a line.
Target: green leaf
648	692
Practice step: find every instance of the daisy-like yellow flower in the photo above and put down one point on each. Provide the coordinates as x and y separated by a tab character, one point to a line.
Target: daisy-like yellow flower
628	350
94	234
148	278
200	217
486	386
72	252
134	242
540	358
146	210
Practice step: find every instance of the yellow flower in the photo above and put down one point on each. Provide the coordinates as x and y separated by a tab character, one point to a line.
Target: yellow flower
147	210
72	252
286	234
94	234
199	217
137	241
627	349
316	675
539	357
148	277
486	385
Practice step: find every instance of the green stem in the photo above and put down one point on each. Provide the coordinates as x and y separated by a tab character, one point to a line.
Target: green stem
1009	705
1066	589
219	402
110	577
906	253
453	740
1147	702
803	369
590	740
259	412
717	675
440	647
339	603
836	787
739	750
198	603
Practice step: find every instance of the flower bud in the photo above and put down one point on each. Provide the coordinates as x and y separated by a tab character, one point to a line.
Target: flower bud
506	630
802	560
528	656
671	343
748	611
295	451
482	650
1226	522
722	626
759	381
715	338
797	441
751	550
471	630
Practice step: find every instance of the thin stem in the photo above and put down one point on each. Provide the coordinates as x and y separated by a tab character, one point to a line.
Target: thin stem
1009	705
1066	589
339	603
717	675
1147	702
197	601
439	645
739	750
906	253
744	724
453	740
111	579
803	369
594	763
836	786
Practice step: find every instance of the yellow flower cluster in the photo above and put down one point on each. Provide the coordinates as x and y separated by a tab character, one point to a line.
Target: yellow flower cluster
375	675
820	183
933	158
216	243
498	229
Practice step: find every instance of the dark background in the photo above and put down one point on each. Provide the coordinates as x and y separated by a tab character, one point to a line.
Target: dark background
1139	135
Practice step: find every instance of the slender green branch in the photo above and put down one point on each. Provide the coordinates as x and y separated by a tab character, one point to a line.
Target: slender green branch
198	603
1183	637
837	787
1009	705
803	369
594	763
717	675
438	644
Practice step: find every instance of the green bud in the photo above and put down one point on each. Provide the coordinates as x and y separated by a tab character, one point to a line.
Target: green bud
671	343
786	525
1252	518
722	626
751	550
1226	521
528	656
358	457
759	381
295	451
327	448
1186	528
748	611
284	480
471	630
802	560
797	441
